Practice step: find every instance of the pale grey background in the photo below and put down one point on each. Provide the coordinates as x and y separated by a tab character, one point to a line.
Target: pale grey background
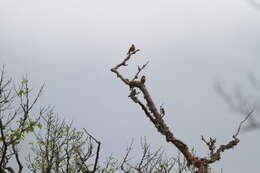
71	46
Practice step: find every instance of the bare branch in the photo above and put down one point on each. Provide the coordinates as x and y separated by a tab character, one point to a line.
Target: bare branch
97	153
241	123
156	117
5	145
20	166
125	159
139	70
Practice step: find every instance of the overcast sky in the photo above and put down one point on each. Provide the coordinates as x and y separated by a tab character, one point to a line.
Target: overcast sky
71	46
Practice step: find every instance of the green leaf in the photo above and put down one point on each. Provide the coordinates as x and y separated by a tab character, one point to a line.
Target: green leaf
39	125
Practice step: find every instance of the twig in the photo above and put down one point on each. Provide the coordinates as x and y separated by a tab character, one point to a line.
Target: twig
97	153
210	144
17	158
128	150
241	123
139	70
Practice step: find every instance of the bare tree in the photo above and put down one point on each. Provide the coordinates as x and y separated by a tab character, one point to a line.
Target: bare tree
138	87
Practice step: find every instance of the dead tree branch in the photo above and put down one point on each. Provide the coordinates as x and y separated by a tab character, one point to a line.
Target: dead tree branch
155	117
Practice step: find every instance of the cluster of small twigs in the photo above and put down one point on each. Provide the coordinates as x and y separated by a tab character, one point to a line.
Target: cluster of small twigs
152	161
156	117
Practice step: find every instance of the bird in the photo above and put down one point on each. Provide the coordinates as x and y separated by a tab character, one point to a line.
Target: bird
143	79
131	49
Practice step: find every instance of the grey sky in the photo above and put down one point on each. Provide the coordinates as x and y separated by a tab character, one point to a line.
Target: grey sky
71	45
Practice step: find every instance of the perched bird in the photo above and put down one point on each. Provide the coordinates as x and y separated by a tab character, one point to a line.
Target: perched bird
131	49
143	79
